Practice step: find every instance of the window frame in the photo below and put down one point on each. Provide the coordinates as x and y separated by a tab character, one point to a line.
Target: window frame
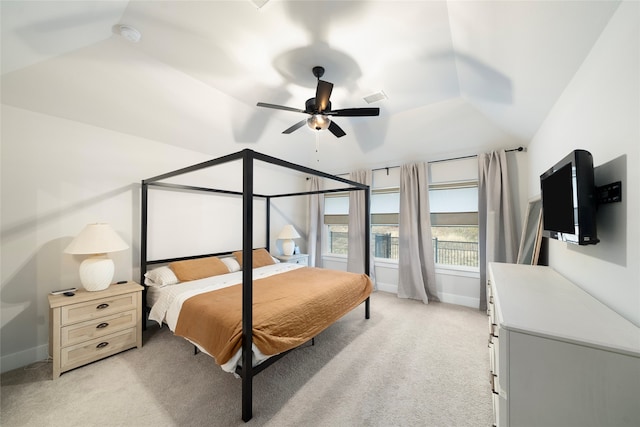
438	219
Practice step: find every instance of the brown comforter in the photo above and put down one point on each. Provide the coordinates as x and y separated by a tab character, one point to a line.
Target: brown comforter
288	309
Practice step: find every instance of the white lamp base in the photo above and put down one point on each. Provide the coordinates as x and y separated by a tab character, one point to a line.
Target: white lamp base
96	272
287	247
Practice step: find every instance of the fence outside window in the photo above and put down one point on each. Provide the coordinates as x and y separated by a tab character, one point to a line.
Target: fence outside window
386	246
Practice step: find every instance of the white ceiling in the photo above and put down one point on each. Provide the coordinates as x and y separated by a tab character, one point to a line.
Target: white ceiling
460	76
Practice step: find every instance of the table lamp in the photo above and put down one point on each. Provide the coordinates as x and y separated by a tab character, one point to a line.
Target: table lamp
96	272
287	235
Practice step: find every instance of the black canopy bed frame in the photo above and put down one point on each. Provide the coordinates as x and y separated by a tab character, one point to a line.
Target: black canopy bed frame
247	157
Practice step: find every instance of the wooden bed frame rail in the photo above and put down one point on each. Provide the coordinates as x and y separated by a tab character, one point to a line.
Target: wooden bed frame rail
247	157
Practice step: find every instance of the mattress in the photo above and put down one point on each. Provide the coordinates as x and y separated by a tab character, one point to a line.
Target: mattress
208	311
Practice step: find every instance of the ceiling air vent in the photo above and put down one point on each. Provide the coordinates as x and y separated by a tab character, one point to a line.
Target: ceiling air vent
375	97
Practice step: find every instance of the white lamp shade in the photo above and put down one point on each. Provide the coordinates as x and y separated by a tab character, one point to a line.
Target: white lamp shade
288	232
287	235
96	239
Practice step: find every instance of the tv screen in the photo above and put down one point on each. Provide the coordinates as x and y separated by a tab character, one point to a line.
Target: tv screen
557	193
569	200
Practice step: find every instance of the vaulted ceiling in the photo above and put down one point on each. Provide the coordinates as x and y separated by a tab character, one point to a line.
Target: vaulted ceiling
459	76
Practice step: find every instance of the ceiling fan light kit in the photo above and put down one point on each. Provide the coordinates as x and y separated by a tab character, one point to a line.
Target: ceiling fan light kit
319	109
318	122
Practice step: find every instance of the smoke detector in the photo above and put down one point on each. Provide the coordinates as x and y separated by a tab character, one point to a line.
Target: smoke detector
129	33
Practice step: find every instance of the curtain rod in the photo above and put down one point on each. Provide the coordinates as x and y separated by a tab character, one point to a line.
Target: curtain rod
448	160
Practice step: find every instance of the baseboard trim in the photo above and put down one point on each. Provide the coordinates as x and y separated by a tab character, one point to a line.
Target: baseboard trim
23	358
459	300
387	287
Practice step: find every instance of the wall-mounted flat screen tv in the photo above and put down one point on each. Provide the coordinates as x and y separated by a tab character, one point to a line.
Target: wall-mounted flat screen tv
569	200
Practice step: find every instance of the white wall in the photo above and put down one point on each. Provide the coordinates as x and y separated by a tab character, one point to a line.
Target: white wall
600	111
58	176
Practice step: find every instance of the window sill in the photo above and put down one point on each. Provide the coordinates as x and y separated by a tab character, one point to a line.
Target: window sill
336	257
458	270
450	270
386	262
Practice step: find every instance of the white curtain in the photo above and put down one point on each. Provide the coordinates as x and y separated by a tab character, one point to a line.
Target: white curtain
316	223
357	229
498	240
416	266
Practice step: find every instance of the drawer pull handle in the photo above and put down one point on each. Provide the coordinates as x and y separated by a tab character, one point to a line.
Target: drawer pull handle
102	306
493	385
102	344
102	325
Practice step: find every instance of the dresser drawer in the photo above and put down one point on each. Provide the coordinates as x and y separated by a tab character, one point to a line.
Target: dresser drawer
494	358
499	411
89	351
496	362
98	308
81	332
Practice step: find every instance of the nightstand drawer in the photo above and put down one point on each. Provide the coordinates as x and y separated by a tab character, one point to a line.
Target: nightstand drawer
302	259
97	308
81	354
91	329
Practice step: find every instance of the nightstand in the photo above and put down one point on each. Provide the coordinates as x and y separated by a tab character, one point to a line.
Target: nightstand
294	259
89	326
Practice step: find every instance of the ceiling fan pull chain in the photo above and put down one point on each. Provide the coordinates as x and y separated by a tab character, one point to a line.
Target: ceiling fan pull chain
317	146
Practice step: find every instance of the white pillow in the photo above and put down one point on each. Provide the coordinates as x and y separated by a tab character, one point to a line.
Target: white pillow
161	276
231	263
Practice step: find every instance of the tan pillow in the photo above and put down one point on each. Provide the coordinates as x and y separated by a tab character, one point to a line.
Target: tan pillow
200	268
260	258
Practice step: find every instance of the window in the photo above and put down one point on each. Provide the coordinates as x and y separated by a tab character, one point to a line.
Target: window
454	223
385	208
336	221
385	205
453	200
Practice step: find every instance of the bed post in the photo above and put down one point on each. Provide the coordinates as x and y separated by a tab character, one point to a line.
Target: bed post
143	251
247	284
367	244
268	219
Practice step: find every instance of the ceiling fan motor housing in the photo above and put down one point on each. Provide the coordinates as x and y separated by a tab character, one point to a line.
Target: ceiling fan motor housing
310	106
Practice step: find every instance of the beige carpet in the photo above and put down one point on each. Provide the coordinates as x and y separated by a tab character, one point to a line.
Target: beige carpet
409	365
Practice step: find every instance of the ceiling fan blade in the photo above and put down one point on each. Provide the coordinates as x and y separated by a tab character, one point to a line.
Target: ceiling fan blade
323	92
354	112
336	130
295	127
280	107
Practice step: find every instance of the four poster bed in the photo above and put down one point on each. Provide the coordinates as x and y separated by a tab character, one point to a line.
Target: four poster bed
250	318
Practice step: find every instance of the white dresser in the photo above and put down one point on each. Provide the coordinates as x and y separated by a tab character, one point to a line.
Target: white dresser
558	356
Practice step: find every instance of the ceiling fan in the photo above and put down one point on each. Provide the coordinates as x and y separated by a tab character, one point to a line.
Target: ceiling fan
319	109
